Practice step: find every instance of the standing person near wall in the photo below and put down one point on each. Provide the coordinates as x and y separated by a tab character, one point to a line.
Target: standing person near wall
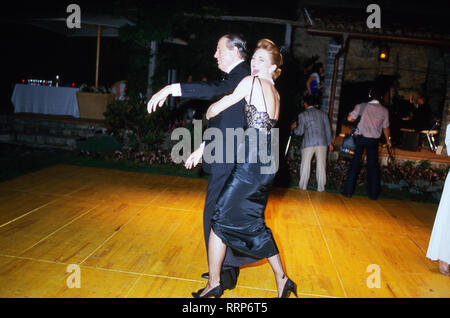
374	121
313	84
314	126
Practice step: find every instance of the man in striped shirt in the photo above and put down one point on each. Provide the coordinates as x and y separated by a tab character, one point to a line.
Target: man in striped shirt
314	125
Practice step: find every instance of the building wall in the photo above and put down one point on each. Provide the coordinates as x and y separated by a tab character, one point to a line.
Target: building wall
410	62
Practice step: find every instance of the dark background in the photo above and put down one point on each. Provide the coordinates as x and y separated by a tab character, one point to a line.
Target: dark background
32	52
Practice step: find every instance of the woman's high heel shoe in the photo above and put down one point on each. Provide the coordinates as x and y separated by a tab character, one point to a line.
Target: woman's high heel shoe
289	287
215	292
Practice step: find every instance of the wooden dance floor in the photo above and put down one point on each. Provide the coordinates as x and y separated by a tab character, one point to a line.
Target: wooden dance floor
126	234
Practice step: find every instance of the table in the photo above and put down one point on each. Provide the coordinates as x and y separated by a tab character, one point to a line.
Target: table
430	137
45	100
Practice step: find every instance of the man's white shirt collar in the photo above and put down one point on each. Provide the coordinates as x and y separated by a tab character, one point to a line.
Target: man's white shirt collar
232	66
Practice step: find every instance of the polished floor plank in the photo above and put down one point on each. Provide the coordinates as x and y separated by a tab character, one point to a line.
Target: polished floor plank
306	258
163	287
76	241
181	199
292	206
331	210
31	278
403	213
422	211
23	233
134	247
174	257
371	216
418	228
141	235
400	253
14	204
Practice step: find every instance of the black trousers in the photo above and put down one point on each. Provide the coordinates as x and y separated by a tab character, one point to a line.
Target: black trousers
373	168
216	182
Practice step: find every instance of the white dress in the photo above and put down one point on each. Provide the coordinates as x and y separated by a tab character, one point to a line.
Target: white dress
439	246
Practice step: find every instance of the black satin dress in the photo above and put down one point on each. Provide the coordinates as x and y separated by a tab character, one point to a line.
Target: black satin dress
239	212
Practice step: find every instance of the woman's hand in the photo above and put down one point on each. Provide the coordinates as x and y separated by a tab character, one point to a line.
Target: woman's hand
194	158
211	112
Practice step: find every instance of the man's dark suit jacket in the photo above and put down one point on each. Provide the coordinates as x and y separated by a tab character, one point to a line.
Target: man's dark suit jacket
232	117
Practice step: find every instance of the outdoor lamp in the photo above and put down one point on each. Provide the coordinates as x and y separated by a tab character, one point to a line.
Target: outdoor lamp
384	53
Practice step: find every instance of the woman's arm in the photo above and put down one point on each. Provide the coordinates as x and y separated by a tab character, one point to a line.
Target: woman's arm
241	91
308	83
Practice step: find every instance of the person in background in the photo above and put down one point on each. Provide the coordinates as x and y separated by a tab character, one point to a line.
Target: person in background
374	121
314	126
439	246
421	114
313	84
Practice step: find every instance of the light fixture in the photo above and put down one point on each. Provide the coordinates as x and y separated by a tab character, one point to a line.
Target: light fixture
383	55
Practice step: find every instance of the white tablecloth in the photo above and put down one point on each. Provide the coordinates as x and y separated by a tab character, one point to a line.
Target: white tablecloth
45	100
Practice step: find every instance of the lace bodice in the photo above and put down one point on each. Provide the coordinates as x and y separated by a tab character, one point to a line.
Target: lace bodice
255	118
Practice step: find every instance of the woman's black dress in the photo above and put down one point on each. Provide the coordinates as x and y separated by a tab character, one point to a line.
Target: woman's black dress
239	211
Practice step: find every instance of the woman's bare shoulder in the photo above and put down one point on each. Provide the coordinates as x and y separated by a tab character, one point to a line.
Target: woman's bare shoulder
247	80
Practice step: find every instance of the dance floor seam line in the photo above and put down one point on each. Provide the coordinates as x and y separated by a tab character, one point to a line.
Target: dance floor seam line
139	276
328	248
27	213
177	209
112	235
57	230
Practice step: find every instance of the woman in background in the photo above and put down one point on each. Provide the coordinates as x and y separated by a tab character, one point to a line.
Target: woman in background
439	246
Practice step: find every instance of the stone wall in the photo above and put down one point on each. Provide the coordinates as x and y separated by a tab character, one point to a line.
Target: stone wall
419	68
408	61
45	133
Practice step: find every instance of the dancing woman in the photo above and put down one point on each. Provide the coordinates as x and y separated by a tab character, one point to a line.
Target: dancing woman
238	221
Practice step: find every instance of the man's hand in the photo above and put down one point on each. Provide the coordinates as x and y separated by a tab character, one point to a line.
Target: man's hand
158	99
294	125
388	142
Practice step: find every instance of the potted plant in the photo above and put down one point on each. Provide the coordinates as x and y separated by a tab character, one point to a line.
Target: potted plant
92	101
